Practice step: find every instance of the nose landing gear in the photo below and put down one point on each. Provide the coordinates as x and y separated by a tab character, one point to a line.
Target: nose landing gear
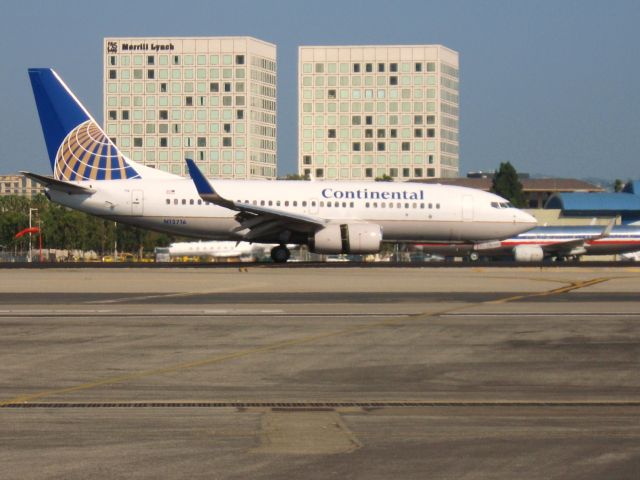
280	254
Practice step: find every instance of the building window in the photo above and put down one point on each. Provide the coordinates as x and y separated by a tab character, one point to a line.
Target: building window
368	67
417	119
202	141
164	114
163	88
418	67
227	100
137	74
331	133
306	159
226	141
381	133
125	115
356	68
355	120
368	133
406	172
113	115
227	86
431	119
175	60
368	172
226	128
393	133
151	60
431	172
393	80
151	74
381	67
163	142
368	120
319	172
417	132
393	172
137	141
214	87
431	132
239	114
112	60
239	59
393	67
113	75
331	95
417	172
356	146
381	146
406	146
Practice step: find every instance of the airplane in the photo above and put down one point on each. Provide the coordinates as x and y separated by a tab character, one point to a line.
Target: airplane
215	249
91	174
559	242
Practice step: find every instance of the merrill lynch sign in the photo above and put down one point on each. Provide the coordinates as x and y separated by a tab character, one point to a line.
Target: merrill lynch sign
113	47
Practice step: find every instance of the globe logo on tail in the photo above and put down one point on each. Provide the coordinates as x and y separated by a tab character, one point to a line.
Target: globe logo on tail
88	154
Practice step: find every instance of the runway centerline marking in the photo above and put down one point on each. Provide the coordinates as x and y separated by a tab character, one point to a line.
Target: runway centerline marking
396	320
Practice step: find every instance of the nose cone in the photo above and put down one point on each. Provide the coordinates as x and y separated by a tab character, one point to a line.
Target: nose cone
524	221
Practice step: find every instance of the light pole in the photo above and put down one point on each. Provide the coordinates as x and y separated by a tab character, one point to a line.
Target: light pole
30	210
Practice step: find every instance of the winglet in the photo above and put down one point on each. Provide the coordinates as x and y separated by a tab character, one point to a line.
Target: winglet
202	184
205	189
607	230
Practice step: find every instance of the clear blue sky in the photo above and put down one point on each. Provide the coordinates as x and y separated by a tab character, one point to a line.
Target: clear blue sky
552	86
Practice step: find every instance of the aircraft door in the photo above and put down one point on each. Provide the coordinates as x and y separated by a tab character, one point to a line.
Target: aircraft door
467	208
137	202
313	206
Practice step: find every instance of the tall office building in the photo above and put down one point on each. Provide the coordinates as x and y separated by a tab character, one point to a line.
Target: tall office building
369	111
212	99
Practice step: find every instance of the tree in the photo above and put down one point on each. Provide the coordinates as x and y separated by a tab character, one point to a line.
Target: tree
507	185
384	178
618	185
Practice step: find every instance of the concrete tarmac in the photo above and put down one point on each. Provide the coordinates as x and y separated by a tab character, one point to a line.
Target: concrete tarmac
357	373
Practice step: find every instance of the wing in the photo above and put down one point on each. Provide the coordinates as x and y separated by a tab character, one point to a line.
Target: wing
577	246
256	222
60	185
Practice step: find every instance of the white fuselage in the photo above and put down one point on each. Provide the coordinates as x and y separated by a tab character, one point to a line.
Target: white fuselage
215	249
410	212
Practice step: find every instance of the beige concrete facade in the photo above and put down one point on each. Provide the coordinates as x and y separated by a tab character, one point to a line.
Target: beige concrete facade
369	111
212	99
19	185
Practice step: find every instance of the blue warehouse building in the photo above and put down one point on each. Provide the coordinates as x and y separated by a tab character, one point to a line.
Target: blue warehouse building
625	204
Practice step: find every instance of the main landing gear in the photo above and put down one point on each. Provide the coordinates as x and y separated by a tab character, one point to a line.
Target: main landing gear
280	254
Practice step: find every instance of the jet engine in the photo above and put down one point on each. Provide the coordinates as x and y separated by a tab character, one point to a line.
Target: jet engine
528	253
346	238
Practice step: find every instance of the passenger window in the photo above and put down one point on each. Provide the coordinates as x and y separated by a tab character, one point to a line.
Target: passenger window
262	202
383	205
430	206
278	203
351	205
322	204
304	203
168	201
344	204
366	205
406	205
184	201
328	204
199	202
295	203
375	204
270	203
191	202
437	205
422	206
175	201
286	203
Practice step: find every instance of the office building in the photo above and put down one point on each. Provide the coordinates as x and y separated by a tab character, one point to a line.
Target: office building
19	185
370	111
212	99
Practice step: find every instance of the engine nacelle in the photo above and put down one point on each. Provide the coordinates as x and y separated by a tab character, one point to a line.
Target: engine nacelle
346	238
528	253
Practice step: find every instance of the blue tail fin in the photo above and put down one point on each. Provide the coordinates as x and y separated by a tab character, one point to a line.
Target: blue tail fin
78	148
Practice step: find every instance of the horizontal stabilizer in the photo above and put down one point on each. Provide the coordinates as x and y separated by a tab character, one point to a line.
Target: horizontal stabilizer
59	185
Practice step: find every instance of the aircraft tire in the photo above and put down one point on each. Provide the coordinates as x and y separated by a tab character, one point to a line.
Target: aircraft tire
280	254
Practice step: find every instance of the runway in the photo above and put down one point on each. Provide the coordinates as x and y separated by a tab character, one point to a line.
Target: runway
357	373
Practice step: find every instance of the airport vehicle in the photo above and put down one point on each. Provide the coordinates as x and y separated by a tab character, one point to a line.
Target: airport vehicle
557	242
92	175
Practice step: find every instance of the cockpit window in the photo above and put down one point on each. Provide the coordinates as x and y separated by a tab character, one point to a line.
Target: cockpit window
495	205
